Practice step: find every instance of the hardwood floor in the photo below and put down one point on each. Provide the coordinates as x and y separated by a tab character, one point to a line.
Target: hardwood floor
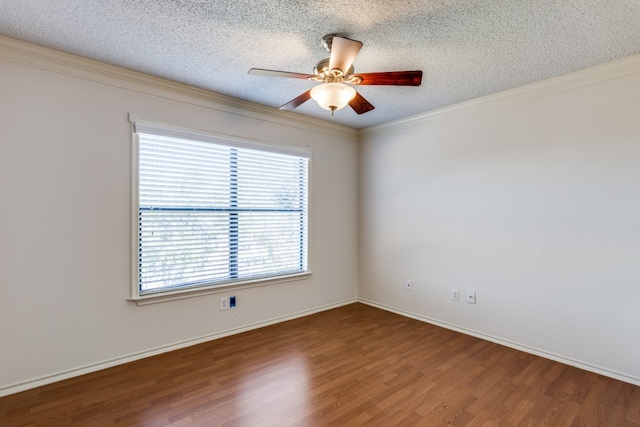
351	366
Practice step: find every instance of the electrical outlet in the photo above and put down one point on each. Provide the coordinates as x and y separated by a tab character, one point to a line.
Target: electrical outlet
471	297
232	302
407	285
224	303
455	295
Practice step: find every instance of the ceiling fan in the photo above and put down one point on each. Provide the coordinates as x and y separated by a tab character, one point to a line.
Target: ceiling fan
333	94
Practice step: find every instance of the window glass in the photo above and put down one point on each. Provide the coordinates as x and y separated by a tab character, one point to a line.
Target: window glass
211	214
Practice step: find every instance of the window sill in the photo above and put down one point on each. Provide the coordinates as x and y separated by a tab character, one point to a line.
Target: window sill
207	290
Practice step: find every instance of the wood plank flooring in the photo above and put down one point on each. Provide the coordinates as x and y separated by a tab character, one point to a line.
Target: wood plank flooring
351	366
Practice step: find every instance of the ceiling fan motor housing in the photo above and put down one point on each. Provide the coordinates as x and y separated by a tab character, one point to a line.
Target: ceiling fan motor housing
324	74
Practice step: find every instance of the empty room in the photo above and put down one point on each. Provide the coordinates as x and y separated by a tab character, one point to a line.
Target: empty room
271	213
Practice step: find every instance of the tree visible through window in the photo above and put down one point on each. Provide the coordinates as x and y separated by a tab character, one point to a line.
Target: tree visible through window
214	213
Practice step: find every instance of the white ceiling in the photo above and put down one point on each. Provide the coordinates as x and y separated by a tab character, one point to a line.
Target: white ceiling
466	48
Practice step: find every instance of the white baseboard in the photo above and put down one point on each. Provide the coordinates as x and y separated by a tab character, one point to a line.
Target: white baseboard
538	352
48	379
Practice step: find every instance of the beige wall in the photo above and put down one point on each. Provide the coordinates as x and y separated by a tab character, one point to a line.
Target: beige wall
532	199
529	197
65	180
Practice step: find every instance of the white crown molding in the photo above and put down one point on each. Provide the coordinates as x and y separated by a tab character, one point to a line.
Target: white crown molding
508	343
55	61
598	74
28	54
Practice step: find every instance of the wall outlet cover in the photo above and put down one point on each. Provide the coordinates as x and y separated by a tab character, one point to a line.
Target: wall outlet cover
471	297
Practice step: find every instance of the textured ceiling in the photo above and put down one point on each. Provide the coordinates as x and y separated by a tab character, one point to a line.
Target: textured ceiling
466	48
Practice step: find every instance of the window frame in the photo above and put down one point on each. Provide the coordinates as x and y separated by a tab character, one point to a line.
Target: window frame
139	124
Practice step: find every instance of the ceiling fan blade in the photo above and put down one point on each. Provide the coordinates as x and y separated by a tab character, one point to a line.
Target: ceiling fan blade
392	78
297	101
274	73
360	105
343	53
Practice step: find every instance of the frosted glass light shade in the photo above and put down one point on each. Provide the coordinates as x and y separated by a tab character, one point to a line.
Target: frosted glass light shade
333	96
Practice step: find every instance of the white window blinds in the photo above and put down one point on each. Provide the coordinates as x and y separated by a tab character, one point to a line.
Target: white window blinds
213	213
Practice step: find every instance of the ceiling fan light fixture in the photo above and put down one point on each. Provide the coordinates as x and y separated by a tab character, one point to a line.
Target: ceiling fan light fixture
336	70
333	96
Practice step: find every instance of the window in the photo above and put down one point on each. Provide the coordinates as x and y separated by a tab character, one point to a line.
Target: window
215	211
